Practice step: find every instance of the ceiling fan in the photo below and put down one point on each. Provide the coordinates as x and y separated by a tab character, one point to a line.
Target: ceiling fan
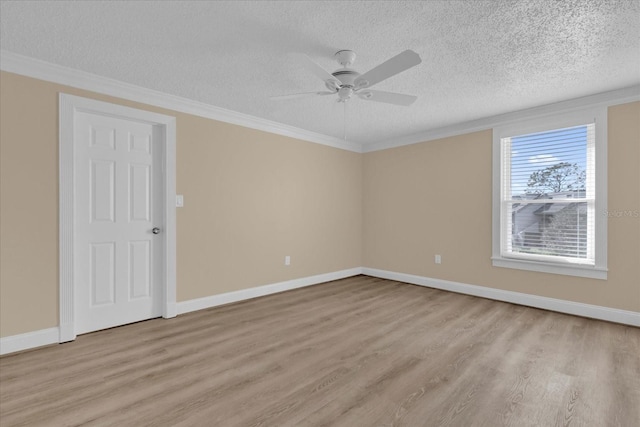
347	82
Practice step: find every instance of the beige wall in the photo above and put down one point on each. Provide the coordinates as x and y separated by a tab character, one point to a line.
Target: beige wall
435	198
250	199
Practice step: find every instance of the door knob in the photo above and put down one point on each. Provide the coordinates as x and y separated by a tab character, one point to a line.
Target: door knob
155	230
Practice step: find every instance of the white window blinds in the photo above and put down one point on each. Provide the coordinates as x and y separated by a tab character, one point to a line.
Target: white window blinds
548	195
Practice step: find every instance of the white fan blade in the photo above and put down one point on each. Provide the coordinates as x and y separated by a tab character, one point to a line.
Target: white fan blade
388	97
323	74
399	63
301	95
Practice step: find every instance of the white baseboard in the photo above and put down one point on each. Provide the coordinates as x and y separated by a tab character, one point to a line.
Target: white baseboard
244	294
563	306
43	337
29	340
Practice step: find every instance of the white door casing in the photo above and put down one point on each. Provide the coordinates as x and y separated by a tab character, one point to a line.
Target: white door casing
117	182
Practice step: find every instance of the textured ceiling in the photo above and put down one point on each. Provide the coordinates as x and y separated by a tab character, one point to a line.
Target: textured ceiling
480	58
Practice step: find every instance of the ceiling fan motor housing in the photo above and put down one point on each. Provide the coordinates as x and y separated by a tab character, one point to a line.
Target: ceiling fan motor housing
346	76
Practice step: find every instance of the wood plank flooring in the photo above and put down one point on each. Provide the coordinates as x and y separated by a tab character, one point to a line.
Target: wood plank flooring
355	352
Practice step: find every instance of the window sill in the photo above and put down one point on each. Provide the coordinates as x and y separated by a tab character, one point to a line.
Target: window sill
546	267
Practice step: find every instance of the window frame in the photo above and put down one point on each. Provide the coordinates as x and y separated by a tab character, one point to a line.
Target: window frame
549	122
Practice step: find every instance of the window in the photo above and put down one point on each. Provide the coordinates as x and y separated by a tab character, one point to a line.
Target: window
549	196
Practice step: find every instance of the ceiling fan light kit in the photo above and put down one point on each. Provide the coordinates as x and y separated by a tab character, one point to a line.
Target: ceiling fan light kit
346	82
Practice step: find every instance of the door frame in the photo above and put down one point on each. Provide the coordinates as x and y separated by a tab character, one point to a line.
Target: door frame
69	106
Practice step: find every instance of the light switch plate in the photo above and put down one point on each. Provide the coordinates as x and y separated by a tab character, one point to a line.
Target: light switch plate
179	200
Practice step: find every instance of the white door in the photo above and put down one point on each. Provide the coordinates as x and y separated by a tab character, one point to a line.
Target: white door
118	194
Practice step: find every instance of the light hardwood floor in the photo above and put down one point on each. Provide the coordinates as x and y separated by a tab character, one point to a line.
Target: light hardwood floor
354	352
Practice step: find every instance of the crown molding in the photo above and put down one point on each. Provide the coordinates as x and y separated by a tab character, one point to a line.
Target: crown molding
42	70
614	97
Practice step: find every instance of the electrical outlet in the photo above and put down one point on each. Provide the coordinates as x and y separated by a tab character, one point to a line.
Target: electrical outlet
287	260
438	259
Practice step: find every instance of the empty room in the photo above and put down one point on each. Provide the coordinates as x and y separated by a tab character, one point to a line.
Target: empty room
320	213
